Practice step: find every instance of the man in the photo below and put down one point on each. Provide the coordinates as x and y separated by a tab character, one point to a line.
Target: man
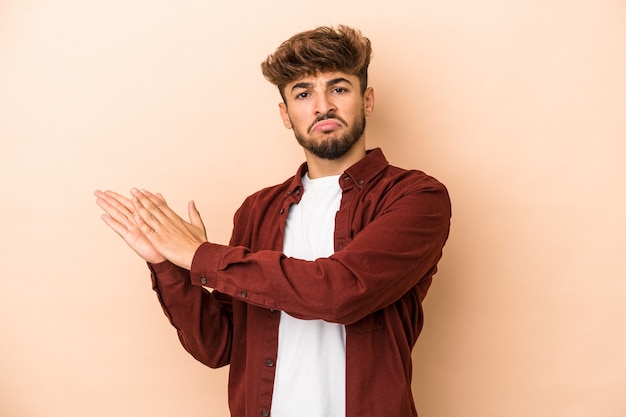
316	302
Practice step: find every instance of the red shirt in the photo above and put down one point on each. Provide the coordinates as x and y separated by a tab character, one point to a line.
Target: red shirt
389	234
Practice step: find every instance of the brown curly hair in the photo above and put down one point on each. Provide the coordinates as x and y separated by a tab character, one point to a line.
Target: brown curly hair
325	49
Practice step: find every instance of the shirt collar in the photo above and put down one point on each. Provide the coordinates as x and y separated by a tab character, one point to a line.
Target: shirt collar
367	168
361	173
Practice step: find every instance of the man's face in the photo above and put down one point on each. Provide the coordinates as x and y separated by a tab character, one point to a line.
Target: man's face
327	112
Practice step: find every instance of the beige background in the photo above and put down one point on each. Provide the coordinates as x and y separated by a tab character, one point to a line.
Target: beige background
518	106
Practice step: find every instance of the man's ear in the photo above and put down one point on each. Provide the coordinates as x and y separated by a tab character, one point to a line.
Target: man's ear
368	101
284	114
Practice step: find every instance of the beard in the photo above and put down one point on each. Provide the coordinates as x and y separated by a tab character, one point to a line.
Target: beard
333	147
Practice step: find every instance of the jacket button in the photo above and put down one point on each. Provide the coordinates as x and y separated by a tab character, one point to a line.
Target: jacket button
265	413
203	280
282	210
244	294
270	363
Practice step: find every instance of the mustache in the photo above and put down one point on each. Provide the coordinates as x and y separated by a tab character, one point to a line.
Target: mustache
327	116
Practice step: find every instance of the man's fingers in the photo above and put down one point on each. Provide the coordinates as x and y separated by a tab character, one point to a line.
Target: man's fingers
152	203
152	211
121	200
113	208
114	225
146	229
121	216
116	201
144	219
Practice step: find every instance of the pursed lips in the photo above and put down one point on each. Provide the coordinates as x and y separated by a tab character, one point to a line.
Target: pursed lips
327	124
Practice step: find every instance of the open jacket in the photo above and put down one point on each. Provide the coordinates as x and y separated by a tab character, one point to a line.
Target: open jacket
389	234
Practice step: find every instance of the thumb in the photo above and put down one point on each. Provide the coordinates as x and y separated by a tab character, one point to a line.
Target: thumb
194	215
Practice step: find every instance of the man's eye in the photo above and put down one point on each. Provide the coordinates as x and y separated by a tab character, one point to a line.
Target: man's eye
302	95
340	90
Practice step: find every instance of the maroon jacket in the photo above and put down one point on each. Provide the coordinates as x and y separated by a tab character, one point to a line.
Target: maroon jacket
389	234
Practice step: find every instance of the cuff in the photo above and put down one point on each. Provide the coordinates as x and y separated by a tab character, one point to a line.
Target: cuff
205	264
167	273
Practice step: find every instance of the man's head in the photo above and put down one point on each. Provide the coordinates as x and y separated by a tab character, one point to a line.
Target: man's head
321	50
322	77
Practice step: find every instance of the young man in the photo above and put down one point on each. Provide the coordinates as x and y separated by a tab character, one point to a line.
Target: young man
316	302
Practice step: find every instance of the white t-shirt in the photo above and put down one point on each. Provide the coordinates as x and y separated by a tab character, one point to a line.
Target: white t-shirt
311	362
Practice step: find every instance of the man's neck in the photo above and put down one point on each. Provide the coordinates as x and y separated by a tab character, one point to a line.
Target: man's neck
319	167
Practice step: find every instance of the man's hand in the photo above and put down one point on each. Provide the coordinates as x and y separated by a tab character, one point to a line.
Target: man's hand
120	216
174	238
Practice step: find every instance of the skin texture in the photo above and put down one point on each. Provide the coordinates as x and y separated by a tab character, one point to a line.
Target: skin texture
327	114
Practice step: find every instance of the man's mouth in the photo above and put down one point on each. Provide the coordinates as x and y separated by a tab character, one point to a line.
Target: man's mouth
326	124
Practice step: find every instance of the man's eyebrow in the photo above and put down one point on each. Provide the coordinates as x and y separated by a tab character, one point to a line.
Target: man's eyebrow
328	83
301	85
338	80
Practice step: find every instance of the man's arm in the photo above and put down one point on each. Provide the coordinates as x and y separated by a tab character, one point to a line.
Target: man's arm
203	321
188	307
398	249
392	254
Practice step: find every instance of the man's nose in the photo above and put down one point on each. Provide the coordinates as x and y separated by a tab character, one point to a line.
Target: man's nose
324	104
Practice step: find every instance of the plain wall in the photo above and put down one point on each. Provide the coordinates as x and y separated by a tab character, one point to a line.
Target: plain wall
519	107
